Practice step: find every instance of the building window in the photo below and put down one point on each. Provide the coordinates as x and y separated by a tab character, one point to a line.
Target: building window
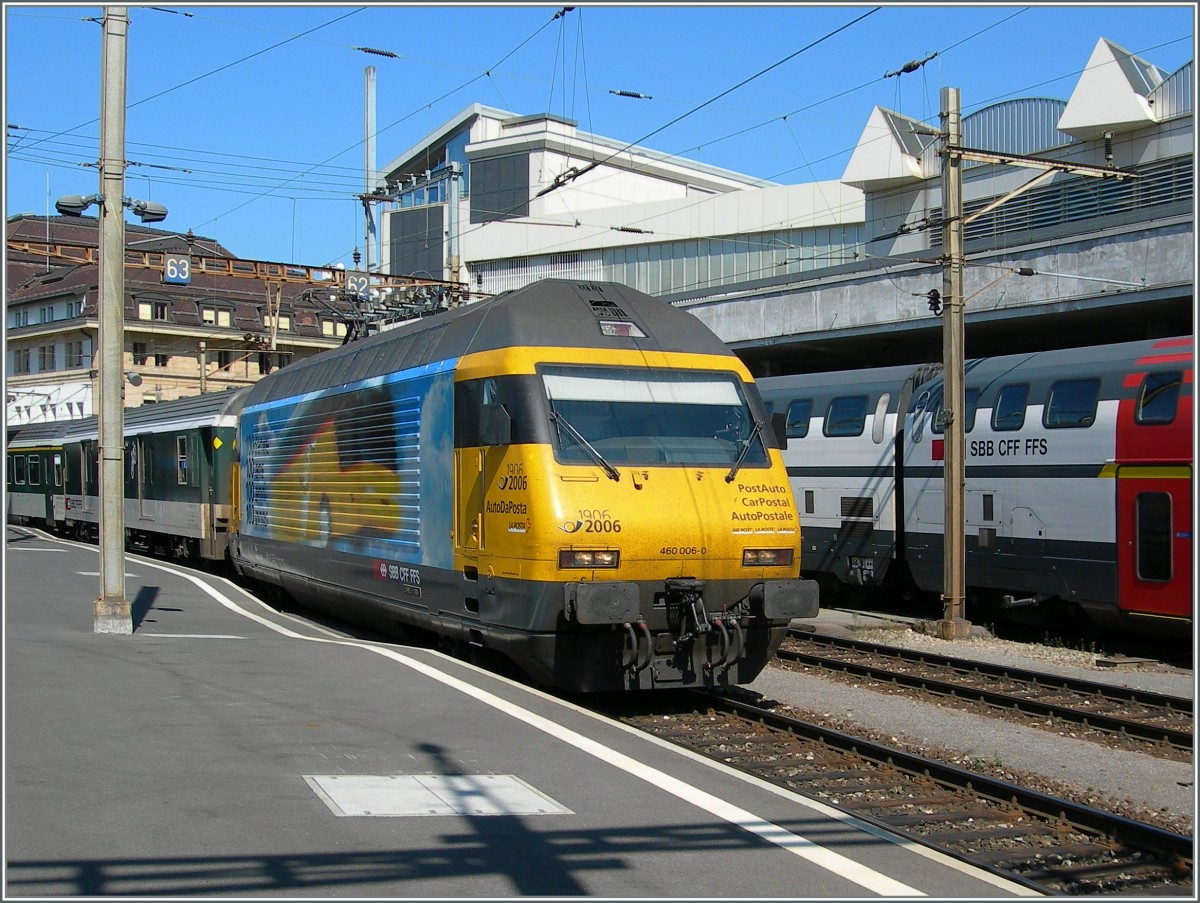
224	359
73	355
214	316
499	188
20	317
46	358
153	310
74	308
140	354
48	313
333	328
21	360
281	322
160	360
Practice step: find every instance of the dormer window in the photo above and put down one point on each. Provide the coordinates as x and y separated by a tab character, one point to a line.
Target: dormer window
153	310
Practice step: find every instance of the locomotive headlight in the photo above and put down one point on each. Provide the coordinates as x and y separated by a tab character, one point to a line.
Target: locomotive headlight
767	558
588	558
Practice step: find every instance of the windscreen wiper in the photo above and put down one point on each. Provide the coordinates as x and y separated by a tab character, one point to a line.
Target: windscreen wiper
562	421
755	430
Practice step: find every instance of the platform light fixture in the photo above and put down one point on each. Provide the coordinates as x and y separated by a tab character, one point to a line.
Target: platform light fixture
76	204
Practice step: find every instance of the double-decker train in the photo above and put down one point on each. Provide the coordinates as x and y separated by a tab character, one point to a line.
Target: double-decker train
1078	482
578	477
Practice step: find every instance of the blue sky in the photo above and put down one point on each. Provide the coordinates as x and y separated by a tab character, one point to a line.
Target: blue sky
247	122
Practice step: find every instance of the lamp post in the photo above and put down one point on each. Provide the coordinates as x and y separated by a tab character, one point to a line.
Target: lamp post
111	612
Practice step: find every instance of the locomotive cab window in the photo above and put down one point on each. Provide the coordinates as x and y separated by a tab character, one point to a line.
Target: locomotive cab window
1071	404
799	413
1158	398
612	416
1009	412
847	416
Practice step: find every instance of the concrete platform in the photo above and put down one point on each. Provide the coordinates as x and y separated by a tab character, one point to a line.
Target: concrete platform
224	748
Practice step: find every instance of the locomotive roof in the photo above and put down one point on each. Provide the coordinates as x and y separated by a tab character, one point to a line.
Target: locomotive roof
550	313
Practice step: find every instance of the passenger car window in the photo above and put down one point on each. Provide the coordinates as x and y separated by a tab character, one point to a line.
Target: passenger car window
1158	399
1071	404
972	398
847	416
1009	411
798	415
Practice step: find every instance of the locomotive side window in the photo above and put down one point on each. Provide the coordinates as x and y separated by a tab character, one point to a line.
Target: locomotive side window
971	396
1154	536
1071	404
19	469
1009	411
58	470
847	416
35	470
799	413
1158	399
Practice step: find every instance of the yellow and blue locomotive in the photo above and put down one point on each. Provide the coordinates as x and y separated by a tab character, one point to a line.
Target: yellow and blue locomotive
578	477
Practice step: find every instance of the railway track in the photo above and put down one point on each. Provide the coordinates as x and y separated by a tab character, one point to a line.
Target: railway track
1043	842
1154	723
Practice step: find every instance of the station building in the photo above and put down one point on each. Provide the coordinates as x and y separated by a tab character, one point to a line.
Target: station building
836	274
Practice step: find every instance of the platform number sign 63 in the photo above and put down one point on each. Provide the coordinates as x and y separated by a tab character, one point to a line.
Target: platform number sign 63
177	269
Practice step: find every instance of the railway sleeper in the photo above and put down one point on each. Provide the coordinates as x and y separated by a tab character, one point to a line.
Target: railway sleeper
1100	875
828	776
1012	859
1015	833
950	818
898	802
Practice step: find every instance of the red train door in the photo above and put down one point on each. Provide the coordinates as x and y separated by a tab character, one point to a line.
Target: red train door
1154	540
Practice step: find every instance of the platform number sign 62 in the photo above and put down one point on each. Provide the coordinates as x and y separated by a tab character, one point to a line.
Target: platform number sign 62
356	285
177	269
